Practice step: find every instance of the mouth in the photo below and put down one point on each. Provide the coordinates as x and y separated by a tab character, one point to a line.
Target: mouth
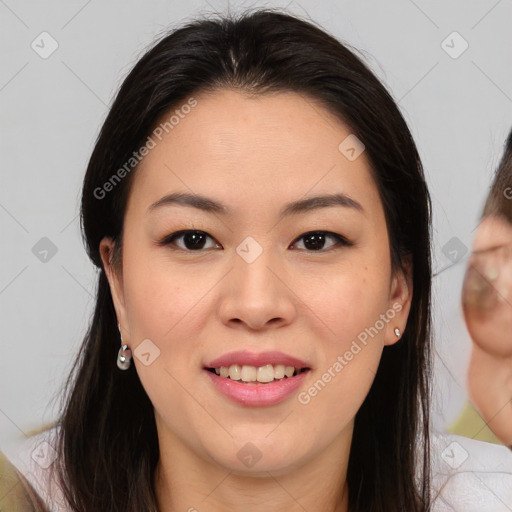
257	386
257	374
255	379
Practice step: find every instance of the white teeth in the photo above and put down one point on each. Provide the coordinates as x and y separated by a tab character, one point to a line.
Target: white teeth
247	373
266	373
278	371
288	370
234	372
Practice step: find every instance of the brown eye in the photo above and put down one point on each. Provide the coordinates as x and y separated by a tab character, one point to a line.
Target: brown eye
193	240
315	240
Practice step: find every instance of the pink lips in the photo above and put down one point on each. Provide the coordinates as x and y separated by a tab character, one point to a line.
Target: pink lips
252	359
256	394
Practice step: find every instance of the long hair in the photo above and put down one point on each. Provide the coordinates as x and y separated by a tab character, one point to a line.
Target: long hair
107	446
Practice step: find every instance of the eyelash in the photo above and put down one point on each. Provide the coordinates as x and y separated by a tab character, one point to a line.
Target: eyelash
340	240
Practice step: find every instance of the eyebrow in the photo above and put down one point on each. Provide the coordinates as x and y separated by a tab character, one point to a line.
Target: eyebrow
209	205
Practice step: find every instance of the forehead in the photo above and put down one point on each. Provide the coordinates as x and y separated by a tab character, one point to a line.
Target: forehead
262	149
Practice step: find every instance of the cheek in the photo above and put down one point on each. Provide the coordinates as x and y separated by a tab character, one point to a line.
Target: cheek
160	299
163	306
347	300
353	316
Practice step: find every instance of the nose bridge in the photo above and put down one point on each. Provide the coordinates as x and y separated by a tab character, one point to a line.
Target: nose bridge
255	294
253	261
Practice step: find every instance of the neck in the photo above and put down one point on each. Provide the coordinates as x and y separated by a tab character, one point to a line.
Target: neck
186	482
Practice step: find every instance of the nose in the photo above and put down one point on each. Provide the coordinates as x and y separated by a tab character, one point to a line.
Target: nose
257	295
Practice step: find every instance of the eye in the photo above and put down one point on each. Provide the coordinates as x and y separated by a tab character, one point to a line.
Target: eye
315	240
194	240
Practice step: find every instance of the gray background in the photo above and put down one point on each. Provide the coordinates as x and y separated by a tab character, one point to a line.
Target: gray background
459	111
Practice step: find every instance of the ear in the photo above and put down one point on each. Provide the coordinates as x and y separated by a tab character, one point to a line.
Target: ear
115	280
400	297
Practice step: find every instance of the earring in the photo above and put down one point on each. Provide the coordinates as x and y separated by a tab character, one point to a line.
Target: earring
397	332
124	356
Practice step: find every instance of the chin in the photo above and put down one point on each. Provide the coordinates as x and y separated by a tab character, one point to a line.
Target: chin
250	458
261	468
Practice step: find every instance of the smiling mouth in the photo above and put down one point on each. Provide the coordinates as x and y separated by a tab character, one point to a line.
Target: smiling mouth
262	374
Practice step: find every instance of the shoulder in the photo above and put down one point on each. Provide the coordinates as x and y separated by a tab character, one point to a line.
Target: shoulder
470	475
28	473
16	493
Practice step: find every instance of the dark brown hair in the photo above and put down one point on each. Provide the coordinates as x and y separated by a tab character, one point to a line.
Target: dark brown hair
108	451
499	200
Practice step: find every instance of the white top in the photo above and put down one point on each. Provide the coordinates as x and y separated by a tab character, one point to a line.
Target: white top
470	475
467	475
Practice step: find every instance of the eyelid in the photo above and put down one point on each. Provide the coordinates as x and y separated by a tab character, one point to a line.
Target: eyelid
341	241
168	239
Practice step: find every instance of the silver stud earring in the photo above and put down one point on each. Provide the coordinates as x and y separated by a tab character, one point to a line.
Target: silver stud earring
124	356
397	332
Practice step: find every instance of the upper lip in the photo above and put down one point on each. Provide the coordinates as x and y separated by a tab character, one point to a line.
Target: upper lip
257	359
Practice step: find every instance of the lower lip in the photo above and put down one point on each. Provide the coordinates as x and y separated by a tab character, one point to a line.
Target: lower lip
257	394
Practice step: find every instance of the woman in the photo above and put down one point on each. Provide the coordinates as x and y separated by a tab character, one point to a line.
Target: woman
258	213
487	304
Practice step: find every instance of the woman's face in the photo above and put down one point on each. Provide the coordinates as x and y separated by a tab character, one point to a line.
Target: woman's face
252	282
487	291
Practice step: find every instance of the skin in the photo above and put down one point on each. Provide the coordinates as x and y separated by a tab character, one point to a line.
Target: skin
255	154
487	304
